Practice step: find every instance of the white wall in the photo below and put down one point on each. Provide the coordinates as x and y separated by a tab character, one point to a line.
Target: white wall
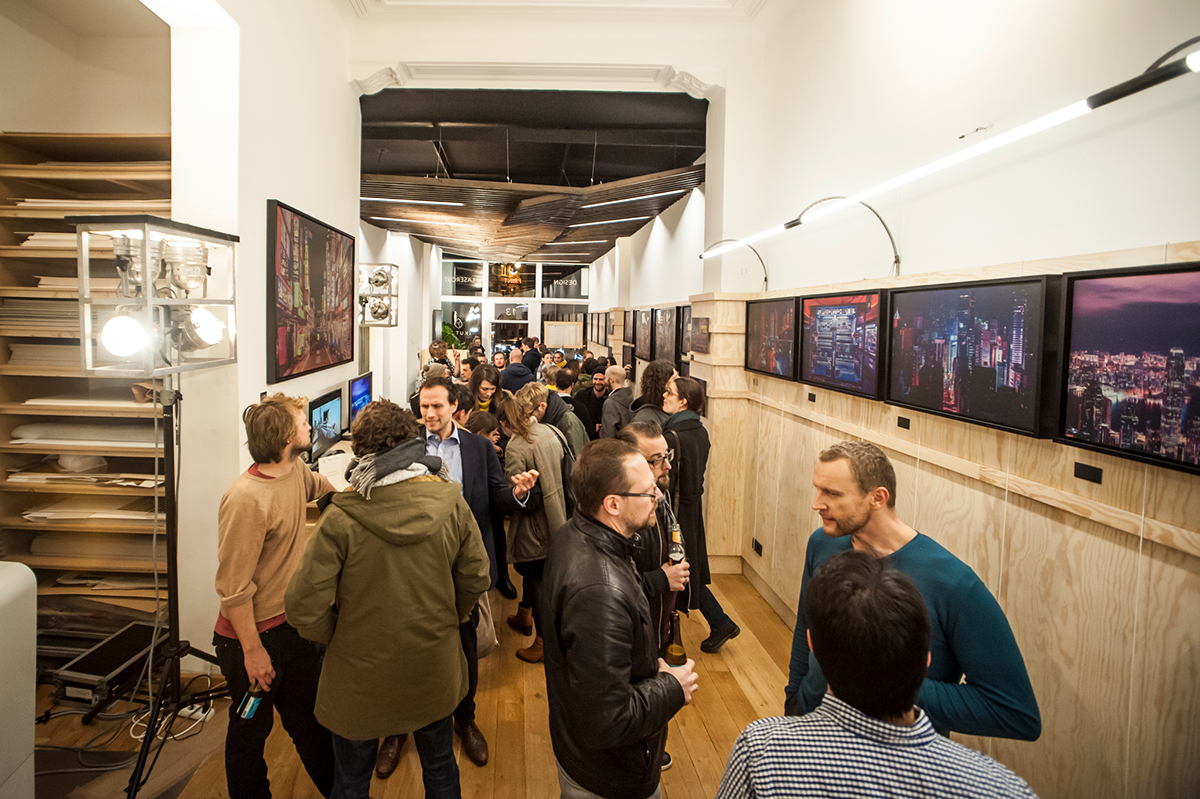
864	90
665	265
54	80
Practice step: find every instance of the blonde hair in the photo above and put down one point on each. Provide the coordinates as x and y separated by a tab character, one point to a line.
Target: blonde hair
527	399
270	425
869	466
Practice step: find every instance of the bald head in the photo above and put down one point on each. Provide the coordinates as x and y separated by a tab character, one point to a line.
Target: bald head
615	377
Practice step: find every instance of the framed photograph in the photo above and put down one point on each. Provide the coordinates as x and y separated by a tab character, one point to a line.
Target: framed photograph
684	336
630	362
698	334
664	334
1130	376
310	294
630	331
771	337
977	351
643	344
610	326
840	342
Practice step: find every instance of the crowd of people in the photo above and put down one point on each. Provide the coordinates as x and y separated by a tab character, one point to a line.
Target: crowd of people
370	631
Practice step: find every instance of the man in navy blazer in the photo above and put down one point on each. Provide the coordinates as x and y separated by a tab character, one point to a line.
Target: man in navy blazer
471	461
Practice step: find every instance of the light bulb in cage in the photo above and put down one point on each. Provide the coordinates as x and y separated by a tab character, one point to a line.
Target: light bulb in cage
187	264
196	328
379	278
123	335
379	308
127	252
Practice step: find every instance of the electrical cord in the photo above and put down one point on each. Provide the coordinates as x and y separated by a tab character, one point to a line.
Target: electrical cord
1167	55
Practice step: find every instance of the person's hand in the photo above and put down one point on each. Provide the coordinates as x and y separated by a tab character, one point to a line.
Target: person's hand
686	675
523	483
677	574
258	667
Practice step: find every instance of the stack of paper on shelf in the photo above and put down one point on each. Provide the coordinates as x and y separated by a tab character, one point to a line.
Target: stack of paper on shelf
42	314
99	508
85	545
115	433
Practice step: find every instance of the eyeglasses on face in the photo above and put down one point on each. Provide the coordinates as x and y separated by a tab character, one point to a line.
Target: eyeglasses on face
668	456
631	494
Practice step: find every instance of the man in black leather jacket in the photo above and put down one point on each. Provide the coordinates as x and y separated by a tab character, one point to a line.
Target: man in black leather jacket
610	696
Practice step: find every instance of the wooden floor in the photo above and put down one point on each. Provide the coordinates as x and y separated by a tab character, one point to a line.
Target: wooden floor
743	682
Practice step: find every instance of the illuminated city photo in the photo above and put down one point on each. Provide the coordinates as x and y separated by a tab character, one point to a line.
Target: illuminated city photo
771	337
972	351
840	342
1132	379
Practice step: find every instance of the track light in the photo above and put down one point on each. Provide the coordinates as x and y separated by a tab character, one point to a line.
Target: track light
1149	78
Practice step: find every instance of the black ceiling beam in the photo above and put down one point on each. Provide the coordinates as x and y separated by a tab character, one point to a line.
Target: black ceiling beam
640	137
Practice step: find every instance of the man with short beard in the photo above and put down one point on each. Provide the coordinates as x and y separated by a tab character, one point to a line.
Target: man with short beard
592	401
856	498
610	696
260	538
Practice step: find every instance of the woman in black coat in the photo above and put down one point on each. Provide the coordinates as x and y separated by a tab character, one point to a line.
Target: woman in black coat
685	434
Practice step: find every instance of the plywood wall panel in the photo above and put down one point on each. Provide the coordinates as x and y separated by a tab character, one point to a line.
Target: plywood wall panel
795	518
764	462
729	422
1047	463
1165	722
1173	497
1067	592
980	445
966	517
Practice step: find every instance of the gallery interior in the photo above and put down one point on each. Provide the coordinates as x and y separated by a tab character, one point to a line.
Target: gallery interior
902	223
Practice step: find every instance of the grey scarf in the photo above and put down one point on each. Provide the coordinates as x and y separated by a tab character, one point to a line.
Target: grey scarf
368	470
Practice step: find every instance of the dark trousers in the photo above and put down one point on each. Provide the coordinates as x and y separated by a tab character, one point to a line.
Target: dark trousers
500	544
465	712
435	748
293	693
711	609
531	572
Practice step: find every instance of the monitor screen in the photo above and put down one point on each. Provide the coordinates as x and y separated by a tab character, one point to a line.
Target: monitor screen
973	351
360	395
771	337
839	342
325	416
1131	371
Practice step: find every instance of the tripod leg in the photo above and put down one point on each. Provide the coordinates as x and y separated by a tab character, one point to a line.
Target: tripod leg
167	686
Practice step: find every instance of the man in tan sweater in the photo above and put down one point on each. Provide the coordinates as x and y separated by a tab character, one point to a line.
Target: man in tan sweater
260	541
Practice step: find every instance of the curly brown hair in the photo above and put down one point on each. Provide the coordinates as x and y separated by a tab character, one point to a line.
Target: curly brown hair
654	382
381	426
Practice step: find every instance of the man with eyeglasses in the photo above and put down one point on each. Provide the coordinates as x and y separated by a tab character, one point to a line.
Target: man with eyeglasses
609	693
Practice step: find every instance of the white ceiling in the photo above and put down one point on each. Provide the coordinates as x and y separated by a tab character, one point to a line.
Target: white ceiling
111	18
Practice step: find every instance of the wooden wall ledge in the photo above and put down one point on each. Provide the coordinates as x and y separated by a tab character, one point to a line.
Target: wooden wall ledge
1167	535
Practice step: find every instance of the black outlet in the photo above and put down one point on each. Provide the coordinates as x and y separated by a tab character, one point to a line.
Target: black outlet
903	422
757	546
812	397
1093	474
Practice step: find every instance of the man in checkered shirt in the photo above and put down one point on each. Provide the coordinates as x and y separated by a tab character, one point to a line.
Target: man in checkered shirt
869	631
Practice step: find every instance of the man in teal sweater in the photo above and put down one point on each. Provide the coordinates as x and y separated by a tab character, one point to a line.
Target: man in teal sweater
856	498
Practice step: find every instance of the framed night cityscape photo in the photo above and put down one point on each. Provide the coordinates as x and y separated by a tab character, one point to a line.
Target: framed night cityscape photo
976	351
840	342
643	345
1131	372
664	334
771	337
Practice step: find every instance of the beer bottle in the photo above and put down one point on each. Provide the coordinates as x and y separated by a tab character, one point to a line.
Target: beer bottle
676	654
675	549
250	702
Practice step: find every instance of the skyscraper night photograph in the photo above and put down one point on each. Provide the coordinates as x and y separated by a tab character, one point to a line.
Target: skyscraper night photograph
971	351
1134	349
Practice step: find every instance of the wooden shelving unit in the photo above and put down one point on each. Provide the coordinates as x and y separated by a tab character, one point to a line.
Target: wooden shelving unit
45	177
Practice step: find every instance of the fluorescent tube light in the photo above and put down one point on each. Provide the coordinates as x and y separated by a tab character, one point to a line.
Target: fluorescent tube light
408	202
612	221
635	199
419	221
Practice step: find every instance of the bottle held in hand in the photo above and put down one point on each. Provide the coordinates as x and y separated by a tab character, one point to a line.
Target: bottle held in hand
249	705
676	654
675	551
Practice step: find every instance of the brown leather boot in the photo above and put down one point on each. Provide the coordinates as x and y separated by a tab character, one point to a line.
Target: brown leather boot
522	620
389	755
533	652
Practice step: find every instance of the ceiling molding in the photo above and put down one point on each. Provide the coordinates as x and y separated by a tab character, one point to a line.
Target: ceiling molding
665	76
384	9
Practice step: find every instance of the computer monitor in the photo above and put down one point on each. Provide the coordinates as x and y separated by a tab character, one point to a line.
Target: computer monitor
325	416
360	395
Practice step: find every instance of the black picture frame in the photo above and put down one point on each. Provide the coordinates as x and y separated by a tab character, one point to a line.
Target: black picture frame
1140	328
758	353
683	335
643	344
1030	409
630	331
310	311
868	323
666	334
630	358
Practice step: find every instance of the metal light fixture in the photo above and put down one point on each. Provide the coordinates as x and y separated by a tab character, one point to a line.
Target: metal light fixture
174	309
378	295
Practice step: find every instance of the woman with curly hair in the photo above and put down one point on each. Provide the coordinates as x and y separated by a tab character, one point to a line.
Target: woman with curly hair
538	447
649	406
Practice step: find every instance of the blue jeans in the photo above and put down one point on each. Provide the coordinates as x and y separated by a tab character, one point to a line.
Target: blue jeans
354	761
711	609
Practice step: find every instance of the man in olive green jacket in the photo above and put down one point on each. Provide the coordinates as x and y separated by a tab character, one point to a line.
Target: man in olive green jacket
391	570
